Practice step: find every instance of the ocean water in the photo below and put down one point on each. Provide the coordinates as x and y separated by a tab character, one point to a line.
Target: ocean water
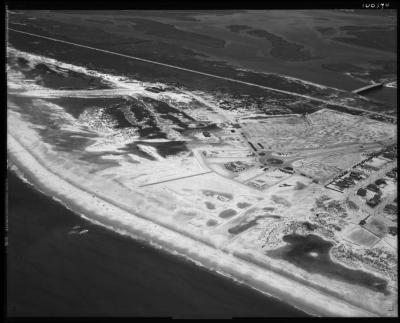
53	273
311	253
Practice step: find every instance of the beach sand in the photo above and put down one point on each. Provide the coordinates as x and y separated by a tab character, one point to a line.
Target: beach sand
123	221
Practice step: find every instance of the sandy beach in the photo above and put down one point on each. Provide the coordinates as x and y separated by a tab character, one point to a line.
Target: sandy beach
120	220
281	186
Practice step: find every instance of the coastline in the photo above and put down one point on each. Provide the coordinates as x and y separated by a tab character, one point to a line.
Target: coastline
252	275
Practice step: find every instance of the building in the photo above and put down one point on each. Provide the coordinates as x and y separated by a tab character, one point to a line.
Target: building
374	201
380	181
236	166
362	192
373	188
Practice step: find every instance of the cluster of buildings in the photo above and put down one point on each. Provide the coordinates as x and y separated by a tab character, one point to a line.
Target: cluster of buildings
362	170
376	189
236	166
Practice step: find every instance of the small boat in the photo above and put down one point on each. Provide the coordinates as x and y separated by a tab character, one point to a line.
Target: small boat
78	230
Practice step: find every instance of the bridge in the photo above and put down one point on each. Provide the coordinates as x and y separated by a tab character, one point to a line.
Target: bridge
367	88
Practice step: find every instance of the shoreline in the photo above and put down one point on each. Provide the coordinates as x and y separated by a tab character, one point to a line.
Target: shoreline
196	251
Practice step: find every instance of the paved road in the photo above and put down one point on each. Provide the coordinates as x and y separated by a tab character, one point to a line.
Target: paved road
175	179
203	73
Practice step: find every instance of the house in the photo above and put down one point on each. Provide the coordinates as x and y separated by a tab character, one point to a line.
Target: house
362	192
380	182
374	201
236	166
373	188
